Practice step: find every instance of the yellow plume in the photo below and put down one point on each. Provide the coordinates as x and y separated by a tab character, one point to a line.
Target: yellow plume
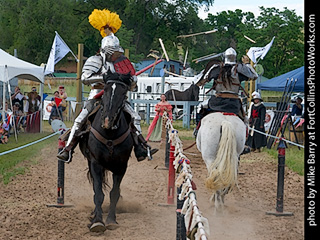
99	19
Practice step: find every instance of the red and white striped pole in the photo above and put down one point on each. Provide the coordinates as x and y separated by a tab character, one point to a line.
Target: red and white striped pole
171	178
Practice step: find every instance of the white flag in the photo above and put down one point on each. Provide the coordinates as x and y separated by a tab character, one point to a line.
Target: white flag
255	52
58	51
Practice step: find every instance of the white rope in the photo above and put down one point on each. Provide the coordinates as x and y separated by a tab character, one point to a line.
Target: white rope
182	165
29	144
278	138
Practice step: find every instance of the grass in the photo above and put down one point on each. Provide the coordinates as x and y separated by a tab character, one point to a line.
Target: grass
294	158
15	163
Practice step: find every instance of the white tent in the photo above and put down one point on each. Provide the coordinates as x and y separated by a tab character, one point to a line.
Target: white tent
11	67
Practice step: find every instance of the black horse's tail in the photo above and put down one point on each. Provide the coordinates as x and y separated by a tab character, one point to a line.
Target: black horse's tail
105	179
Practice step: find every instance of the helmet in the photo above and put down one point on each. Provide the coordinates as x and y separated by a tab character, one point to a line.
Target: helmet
230	56
109	45
256	96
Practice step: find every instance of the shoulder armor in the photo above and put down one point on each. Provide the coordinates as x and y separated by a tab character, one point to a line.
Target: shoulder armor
91	66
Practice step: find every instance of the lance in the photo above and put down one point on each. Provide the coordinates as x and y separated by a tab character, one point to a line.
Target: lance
278	116
208	57
276	113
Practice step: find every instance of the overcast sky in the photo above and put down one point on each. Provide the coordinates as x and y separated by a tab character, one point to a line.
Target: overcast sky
253	6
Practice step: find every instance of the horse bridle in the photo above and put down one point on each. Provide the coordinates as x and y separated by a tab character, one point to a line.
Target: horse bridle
119	109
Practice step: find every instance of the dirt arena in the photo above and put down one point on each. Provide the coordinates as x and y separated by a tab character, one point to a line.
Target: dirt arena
24	213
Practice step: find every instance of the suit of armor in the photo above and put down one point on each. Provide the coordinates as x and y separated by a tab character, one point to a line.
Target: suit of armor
227	83
92	74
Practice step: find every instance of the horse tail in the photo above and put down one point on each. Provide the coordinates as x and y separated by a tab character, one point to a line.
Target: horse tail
105	183
223	170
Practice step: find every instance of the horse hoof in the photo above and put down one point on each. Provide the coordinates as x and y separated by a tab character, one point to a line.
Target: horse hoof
98	227
112	226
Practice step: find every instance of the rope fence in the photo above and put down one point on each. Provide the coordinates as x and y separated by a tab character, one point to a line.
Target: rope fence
196	226
29	144
277	138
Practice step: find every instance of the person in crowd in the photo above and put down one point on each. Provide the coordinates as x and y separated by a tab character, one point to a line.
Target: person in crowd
17	96
155	129
19	115
297	108
63	95
255	139
34	89
16	110
57	111
4	128
32	104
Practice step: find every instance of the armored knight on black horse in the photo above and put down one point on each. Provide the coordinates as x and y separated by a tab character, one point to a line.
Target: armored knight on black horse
109	62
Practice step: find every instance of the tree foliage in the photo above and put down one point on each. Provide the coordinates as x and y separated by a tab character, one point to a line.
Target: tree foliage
30	26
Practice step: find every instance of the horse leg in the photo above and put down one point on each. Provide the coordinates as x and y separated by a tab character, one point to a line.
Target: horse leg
114	197
97	173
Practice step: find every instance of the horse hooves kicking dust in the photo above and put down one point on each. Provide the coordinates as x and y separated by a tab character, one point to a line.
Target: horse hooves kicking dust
98	227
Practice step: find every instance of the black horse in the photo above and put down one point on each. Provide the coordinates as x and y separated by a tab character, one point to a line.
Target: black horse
190	94
107	147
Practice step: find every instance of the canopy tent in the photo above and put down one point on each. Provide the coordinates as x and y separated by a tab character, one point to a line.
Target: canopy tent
11	67
278	83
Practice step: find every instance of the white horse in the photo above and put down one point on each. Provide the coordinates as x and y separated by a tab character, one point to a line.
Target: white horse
221	140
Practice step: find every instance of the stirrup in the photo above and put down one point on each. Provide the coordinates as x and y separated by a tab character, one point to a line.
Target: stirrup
150	152
69	159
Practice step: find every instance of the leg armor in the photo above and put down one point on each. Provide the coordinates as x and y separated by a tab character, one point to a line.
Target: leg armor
135	116
66	153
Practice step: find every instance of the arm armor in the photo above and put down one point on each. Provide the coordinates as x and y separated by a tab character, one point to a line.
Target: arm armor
247	70
91	70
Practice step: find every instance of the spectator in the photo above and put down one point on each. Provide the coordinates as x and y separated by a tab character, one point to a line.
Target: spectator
17	96
16	110
256	121
155	129
63	95
4	128
32	103
297	108
34	89
54	110
19	114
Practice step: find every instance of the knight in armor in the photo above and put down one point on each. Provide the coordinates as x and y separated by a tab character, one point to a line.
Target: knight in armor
109	62
227	78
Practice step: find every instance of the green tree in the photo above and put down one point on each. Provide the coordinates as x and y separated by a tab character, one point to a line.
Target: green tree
287	51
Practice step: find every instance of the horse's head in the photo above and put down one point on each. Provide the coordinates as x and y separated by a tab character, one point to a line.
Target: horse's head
113	101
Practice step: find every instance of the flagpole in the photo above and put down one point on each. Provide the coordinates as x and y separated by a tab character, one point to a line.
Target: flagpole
67	45
79	83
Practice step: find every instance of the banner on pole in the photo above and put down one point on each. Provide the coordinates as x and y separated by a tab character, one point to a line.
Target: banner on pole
255	52
58	51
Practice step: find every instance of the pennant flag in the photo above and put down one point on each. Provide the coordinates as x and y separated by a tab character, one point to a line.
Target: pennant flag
255	52
57	101
73	106
58	51
44	95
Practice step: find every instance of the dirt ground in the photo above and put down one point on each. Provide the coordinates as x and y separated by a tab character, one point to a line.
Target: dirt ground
24	213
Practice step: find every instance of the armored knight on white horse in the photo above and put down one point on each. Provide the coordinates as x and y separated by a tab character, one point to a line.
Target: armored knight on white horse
222	133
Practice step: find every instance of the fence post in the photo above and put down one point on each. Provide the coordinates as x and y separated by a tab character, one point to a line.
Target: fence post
60	182
171	179
280	183
181	229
